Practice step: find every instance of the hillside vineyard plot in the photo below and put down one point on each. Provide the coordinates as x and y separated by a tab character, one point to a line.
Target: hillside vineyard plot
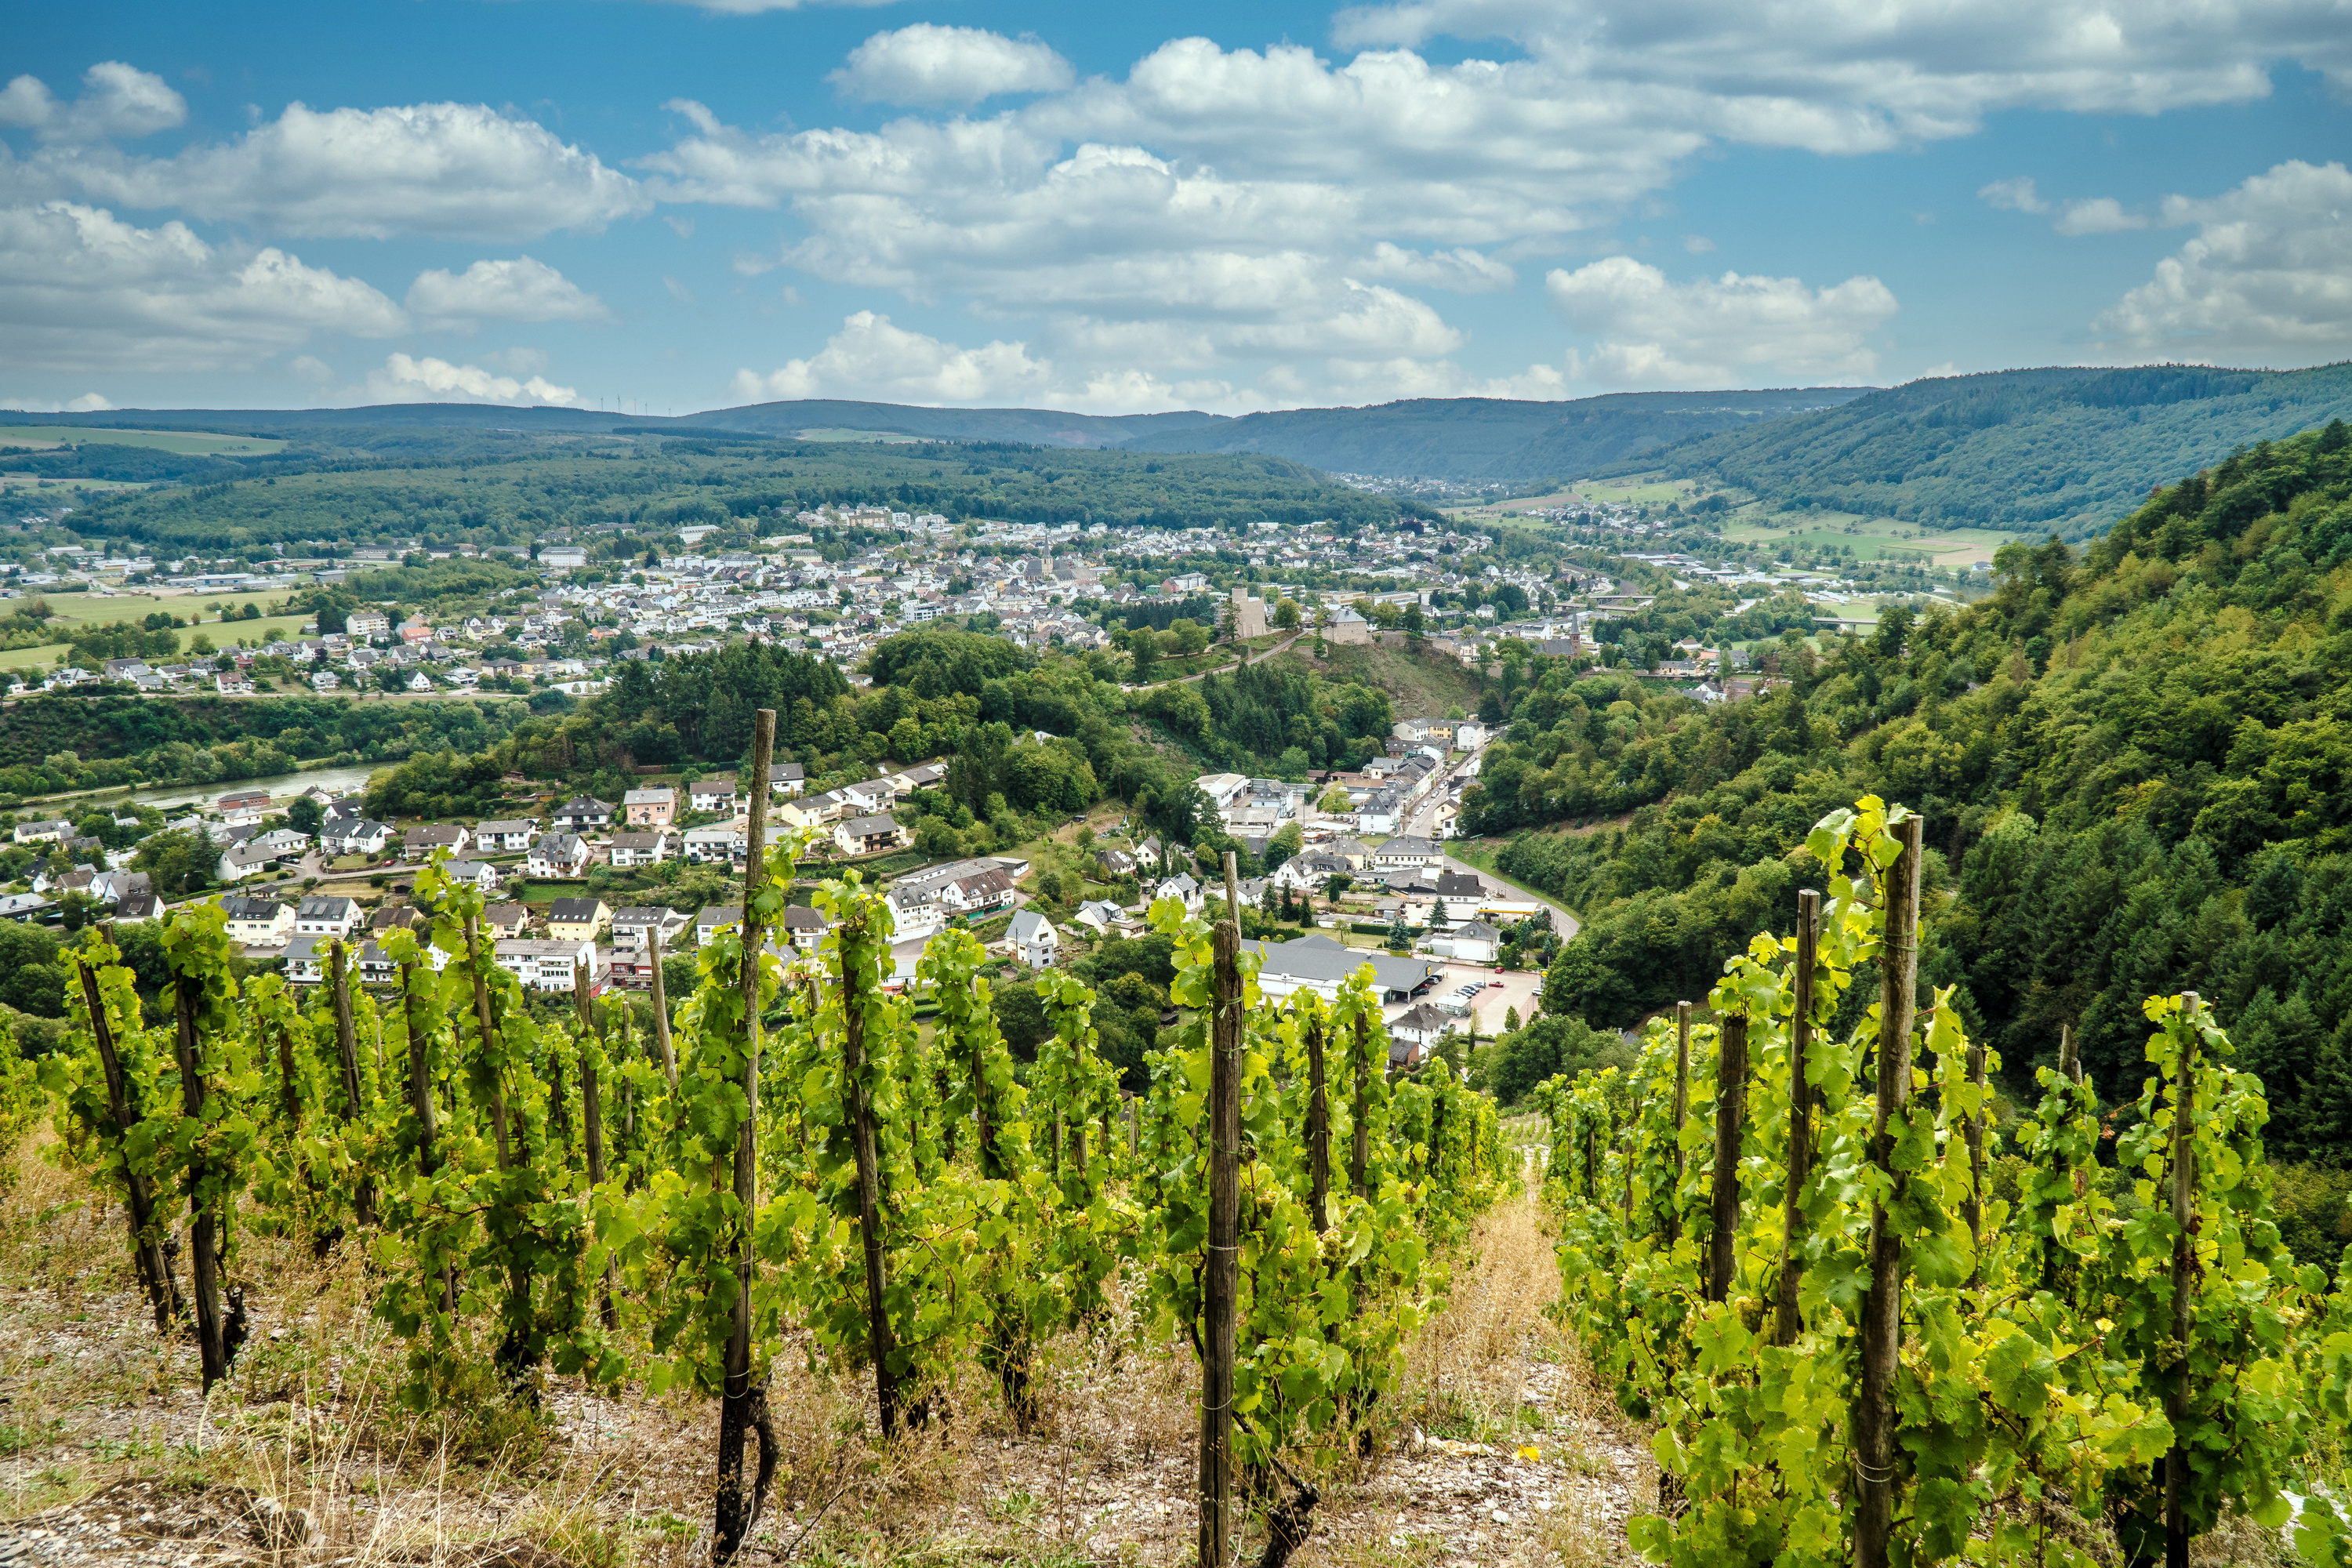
785	1165
1870	1333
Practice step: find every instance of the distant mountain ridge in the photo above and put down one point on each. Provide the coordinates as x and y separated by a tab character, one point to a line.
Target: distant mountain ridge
1487	439
1465	440
2068	448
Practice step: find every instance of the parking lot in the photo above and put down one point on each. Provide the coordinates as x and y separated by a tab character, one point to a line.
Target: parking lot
1493	1004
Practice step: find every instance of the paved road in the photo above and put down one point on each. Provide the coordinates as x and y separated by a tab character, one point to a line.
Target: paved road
1564	923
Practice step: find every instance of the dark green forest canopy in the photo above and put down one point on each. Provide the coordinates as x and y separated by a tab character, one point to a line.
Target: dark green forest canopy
2135	762
2062	449
483	488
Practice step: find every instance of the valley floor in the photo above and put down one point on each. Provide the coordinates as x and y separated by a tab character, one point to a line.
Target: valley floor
1497	1451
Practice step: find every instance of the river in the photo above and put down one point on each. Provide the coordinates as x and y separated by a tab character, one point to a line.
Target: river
283	785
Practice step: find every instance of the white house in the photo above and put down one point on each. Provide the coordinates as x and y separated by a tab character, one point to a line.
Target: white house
53	832
1183	890
478	875
558	855
1033	936
867	835
713	794
239	861
1423	1026
786	779
803	927
633	928
583	811
1101	915
321	914
505	836
257	922
1474	941
354	836
1407	856
421	842
712	917
721	841
646	849
547	964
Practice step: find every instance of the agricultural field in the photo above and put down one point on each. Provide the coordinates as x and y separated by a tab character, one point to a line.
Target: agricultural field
190	443
1870	538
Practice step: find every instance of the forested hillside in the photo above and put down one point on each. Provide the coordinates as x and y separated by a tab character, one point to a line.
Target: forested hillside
2134	759
1473	439
2064	449
488	488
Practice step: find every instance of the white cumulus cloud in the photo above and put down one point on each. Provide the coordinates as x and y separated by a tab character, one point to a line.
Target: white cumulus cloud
521	289
82	290
929	64
117	101
404	379
445	168
871	360
2263	281
2097	215
1731	330
1461	269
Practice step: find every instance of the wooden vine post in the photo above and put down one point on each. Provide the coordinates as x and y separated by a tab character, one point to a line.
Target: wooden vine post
347	1050
139	1202
2184	1282
1787	1322
592	1119
1730	1118
1882	1302
737	1416
1360	1157
1681	1110
420	1104
1974	1206
203	1222
661	996
1222	1277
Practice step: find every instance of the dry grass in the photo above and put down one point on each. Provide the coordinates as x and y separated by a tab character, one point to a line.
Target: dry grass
100	1419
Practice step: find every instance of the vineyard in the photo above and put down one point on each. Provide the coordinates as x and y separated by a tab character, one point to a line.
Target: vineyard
1861	1310
1867	1333
785	1173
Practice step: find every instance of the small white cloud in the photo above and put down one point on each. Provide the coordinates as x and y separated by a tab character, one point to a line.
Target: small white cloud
311	368
2016	195
2263	282
929	64
1697	244
678	290
521	289
428	380
2098	215
681	226
117	101
1461	269
1715	332
869	359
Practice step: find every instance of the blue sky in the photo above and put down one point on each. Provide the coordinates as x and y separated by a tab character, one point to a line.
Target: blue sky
643	204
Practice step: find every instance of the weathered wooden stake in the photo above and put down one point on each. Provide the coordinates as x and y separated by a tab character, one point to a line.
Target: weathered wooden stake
661	1007
1882	1304
420	1104
737	1397
592	1119
1318	1124
1221	1275
1974	1206
139	1202
1730	1118
203	1226
347	1048
1360	1157
1787	1322
2184	1283
1681	1111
